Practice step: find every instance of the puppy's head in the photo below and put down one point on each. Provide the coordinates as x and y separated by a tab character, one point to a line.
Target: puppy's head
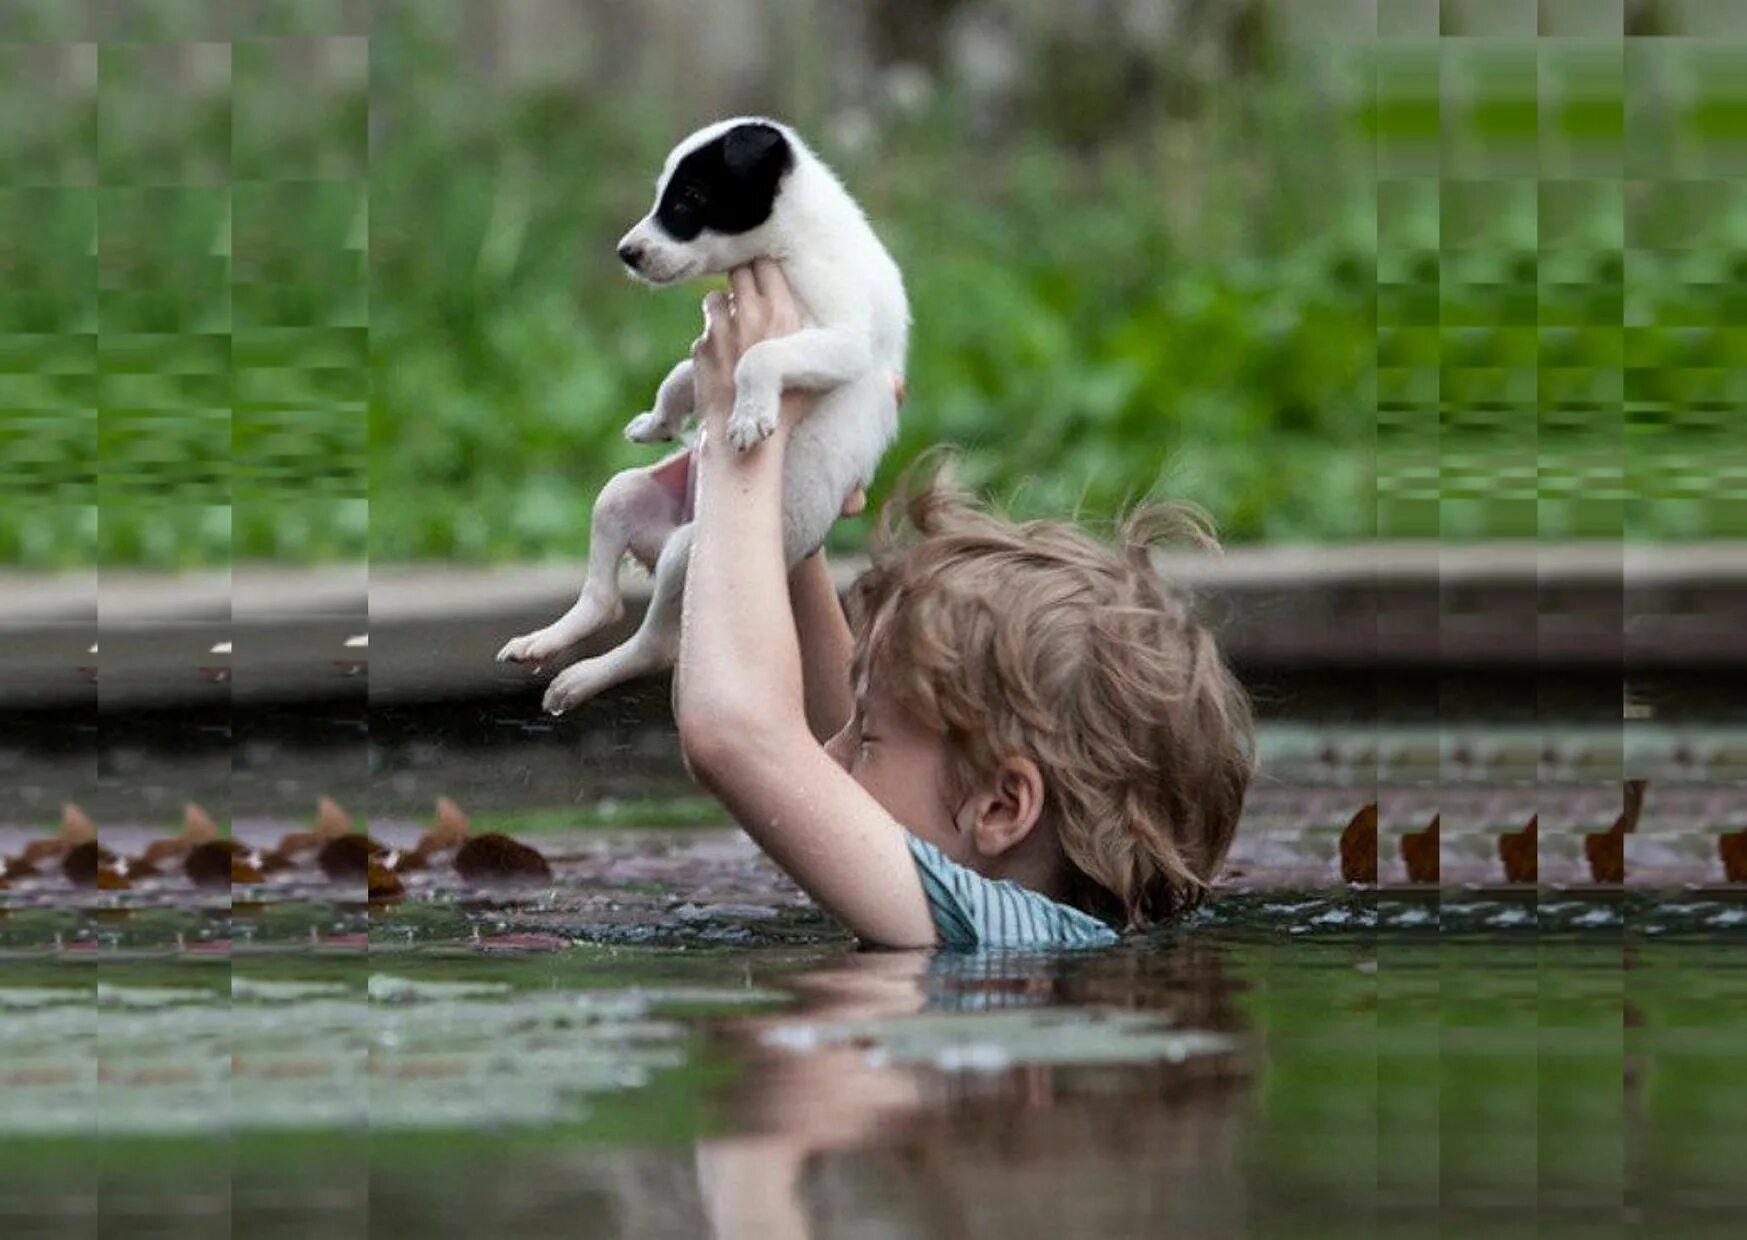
713	201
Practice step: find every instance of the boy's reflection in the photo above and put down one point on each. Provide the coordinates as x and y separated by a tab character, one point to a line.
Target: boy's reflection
933	1146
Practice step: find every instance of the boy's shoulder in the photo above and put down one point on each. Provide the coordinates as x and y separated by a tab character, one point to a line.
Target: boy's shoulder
971	911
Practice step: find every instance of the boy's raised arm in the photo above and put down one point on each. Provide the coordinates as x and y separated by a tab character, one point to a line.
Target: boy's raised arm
738	693
827	647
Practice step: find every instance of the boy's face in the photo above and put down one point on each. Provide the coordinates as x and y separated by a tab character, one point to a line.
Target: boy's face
903	766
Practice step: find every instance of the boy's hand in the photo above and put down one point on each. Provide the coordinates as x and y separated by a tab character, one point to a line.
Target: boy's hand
760	306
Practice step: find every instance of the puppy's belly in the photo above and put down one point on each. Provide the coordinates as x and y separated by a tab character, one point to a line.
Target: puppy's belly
836	448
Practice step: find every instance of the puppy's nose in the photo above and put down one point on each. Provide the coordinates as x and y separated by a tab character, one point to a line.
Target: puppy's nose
631	255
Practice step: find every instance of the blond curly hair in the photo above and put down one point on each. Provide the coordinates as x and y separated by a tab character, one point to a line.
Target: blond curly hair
1037	639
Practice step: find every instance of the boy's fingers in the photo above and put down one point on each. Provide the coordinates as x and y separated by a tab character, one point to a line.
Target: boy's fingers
767	277
856	502
744	285
748	309
715	343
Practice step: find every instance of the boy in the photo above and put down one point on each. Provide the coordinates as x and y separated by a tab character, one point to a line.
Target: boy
1027	743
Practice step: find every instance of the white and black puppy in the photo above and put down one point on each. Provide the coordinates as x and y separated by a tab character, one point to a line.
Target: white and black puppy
732	192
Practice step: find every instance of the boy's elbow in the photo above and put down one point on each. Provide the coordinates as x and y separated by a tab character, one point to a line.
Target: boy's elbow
701	753
714	741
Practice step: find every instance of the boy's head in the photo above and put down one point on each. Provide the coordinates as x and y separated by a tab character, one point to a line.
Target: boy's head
1037	704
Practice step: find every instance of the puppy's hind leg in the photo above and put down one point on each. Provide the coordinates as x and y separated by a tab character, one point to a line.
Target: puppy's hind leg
654	647
674	401
635	511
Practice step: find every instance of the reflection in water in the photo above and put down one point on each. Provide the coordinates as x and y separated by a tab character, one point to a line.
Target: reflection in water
943	1072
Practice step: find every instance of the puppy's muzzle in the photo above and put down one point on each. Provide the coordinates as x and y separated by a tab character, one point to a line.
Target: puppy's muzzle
631	255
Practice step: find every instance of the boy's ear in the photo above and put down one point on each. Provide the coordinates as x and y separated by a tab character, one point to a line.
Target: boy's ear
1004	813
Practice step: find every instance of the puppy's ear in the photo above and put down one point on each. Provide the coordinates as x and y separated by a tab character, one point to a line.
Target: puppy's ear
747	149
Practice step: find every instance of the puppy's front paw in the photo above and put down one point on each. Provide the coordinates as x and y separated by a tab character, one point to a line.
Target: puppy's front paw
748	426
648	427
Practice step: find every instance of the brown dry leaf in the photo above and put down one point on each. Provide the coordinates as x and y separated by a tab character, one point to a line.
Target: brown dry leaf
1606	853
348	856
244	871
384	885
76	825
36	851
331	820
1359	846
139	867
294	842
274	861
84	862
209	864
197	825
496	858
76	828
1606	850
406	862
1420	851
449	829
111	879
1520	852
1732	847
17	867
163	850
1632	804
197	828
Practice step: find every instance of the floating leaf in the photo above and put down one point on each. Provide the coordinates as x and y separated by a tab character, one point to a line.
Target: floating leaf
1606	850
1519	850
209	864
1420	851
1732	848
1359	847
383	885
496	858
348	857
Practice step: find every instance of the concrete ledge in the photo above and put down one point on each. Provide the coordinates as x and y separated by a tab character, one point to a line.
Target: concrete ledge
426	632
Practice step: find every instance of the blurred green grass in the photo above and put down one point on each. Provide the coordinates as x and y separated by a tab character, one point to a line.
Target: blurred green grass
299	301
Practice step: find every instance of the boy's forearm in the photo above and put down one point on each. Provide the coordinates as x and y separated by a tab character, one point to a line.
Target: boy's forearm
739	660
827	647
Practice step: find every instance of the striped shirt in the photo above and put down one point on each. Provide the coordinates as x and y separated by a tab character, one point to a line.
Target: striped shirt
971	911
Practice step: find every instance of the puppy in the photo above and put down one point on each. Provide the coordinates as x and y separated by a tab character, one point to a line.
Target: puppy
735	191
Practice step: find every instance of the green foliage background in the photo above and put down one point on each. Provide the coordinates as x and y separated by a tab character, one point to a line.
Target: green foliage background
307	285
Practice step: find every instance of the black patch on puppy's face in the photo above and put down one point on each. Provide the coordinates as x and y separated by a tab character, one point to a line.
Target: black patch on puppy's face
727	185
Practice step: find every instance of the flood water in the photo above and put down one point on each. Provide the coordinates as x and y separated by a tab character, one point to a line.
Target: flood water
667	1040
670	1038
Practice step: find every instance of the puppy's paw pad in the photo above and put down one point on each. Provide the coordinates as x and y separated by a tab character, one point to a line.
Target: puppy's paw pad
647	428
748	432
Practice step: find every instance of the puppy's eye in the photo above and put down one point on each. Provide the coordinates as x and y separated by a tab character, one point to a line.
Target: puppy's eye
691	196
